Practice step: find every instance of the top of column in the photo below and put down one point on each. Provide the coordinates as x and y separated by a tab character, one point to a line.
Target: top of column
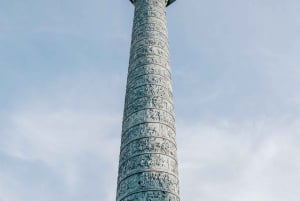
168	1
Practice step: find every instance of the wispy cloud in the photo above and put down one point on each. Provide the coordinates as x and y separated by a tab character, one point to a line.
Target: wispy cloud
57	144
236	86
255	160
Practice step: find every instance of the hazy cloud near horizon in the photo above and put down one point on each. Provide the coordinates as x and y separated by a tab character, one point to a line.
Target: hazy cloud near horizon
236	73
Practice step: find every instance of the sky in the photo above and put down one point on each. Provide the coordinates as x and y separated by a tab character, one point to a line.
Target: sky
236	82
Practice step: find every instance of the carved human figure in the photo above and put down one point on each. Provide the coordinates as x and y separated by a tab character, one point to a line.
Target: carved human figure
148	163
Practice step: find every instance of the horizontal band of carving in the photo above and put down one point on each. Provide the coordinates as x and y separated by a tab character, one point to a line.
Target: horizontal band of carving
150	49
131	109
151	2
148	90
149	27
148	35
157	42
147	55
147	170
149	79
148	181
150	58
147	9
140	82
124	159
164	61
149	115
154	195
164	74
136	112
122	162
150	12
137	34
139	23
149	97
146	24
149	102
148	122
148	70
138	65
147	137
149	61
150	85
148	108
148	162
145	14
141	154
147	146
148	130
149	5
151	41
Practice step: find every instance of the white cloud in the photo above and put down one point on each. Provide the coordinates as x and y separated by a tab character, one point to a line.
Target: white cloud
65	143
59	144
236	78
240	161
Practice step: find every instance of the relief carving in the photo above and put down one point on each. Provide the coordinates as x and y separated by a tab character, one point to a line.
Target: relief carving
149	115
147	162
152	196
148	90
149	79
151	4
147	27
151	33
150	59
148	102
145	14
150	43
141	35
148	167
148	181
148	145
148	69
147	130
151	50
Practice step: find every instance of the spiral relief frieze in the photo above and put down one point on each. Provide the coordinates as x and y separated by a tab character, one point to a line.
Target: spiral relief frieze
152	196
150	102
148	168
148	69
147	130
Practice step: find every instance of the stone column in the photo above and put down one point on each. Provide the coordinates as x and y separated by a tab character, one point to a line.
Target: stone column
148	163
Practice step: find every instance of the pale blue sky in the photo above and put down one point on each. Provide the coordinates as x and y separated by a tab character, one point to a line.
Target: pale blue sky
236	78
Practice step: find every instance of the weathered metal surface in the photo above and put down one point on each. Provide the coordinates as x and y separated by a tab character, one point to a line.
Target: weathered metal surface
148	169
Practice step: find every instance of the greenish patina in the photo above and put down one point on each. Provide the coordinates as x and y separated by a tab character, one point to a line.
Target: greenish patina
148	169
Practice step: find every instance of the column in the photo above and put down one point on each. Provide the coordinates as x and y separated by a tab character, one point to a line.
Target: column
148	169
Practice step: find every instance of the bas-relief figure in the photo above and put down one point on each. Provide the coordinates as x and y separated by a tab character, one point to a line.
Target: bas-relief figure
148	169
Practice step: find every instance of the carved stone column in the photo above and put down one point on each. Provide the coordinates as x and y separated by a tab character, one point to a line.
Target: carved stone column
148	165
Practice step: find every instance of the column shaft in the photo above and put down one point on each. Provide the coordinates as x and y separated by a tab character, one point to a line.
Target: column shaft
148	169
